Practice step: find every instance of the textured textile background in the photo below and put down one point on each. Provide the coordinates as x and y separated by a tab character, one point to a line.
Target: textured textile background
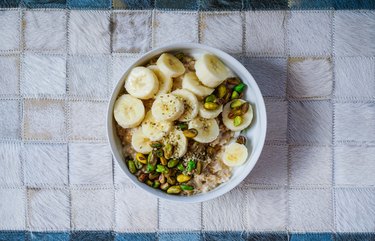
316	68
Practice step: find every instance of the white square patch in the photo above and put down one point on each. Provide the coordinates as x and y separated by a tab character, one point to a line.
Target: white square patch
355	165
310	33
87	120
311	210
355	77
12	209
223	31
310	165
9	75
90	163
265	31
171	27
310	78
10	126
355	210
92	209
44	119
132	32
277	118
45	30
46	164
358	115
88	76
133	217
48	209
89	32
9	30
10	164
44	74
120	178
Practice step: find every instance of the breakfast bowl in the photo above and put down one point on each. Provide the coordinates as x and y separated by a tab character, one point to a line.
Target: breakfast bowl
134	106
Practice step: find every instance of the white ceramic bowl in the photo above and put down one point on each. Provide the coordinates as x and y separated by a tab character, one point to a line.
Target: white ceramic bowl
255	134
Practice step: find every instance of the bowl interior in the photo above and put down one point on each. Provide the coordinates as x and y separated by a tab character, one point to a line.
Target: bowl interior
255	134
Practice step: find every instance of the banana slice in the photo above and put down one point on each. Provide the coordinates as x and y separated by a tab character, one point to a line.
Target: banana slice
128	111
165	82
246	118
170	65
209	114
235	154
153	129
167	107
191	82
140	142
210	70
191	104
208	129
142	83
179	141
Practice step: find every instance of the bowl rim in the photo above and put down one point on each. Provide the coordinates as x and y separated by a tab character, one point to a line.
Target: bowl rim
230	184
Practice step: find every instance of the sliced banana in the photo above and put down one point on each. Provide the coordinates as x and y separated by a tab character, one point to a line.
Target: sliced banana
235	154
191	104
167	107
165	82
191	82
128	111
140	142
246	118
209	114
208	129
170	65
153	129
210	70
179	141
142	83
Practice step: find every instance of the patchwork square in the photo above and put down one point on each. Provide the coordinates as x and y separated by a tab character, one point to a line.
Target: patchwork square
168	26
271	167
45	30
45	3
310	122
269	73
354	165
133	4
44	119
223	235
355	77
307	4
217	5
267	209
265	33
172	4
89	32
230	36
352	4
277	120
12	209
44	74
179	216
10	164
262	5
230	218
10	30
355	210
10	127
92	235
9	74
354	33
132	217
358	115
269	236
120	177
87	120
310	78
131	32
90	163
88	76
120	65
310	165
309	33
92	209
191	236
49	236
9	3
311	210
48	209
90	4
46	164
